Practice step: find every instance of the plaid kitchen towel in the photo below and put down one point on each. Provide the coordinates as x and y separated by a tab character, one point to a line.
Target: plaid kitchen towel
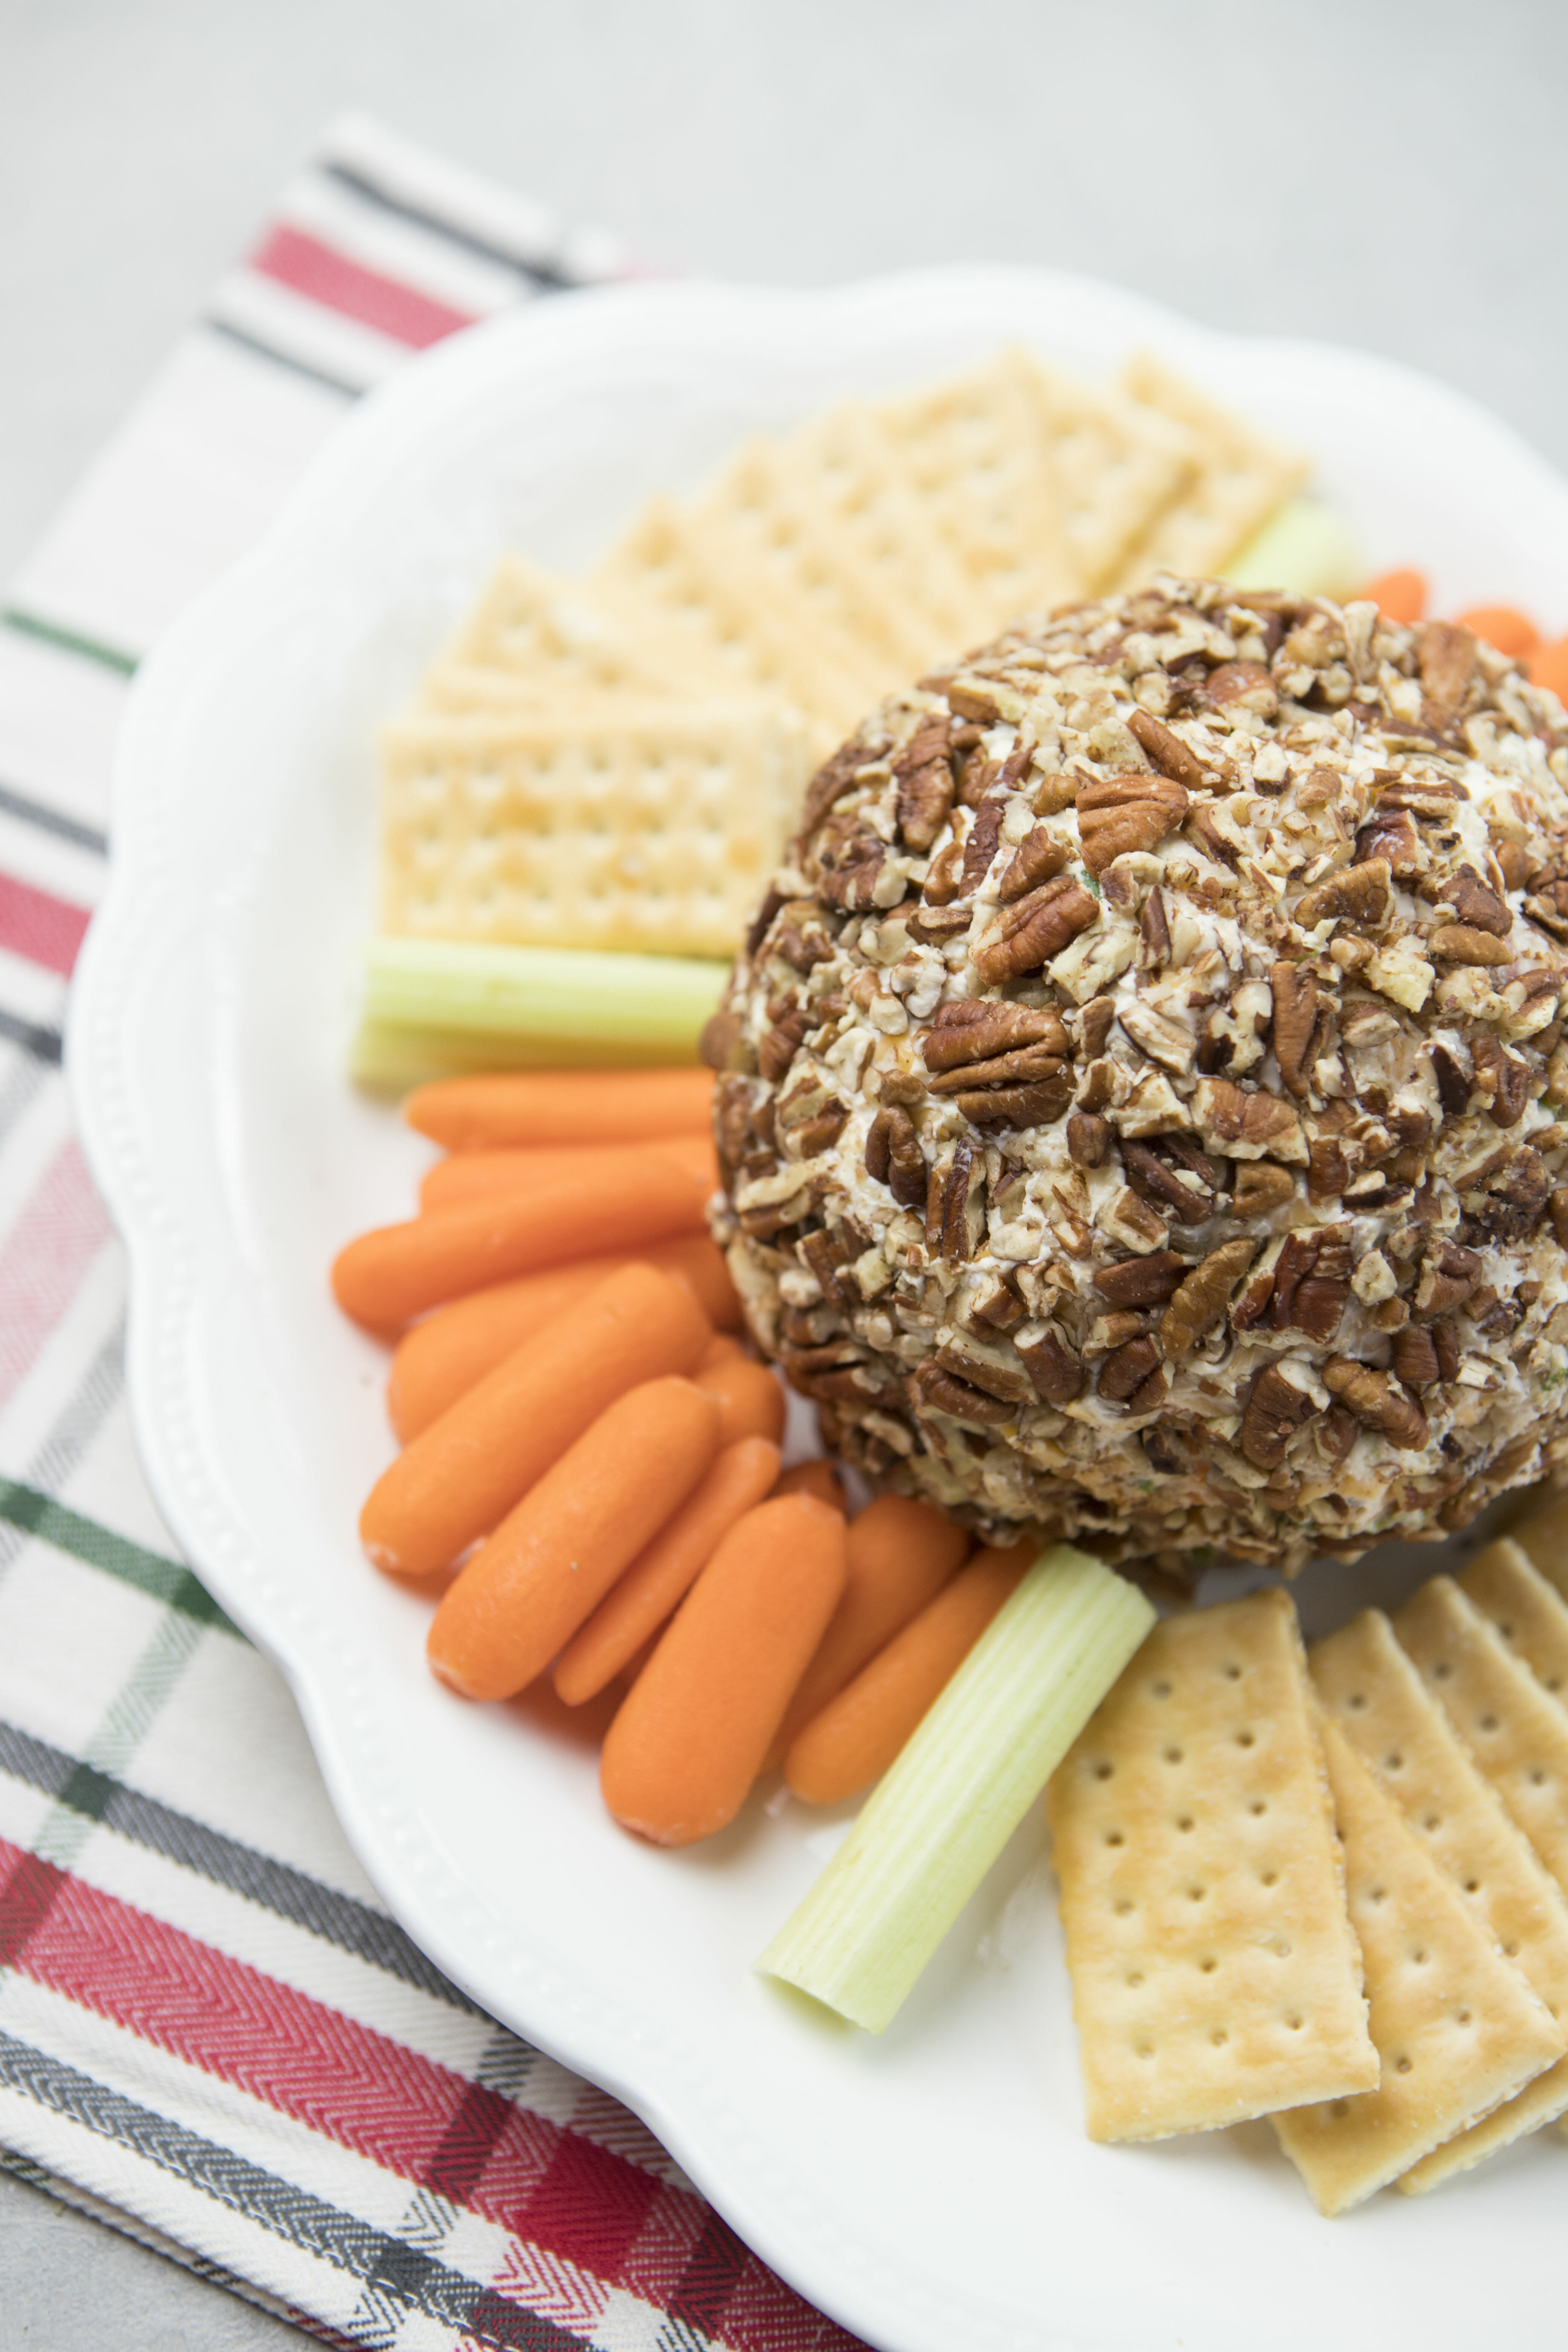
211	2032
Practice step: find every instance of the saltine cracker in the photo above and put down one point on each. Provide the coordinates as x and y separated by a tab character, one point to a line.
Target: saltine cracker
1215	1975
1457	2029
1118	466
1240	479
1529	1614
1369	1687
617	826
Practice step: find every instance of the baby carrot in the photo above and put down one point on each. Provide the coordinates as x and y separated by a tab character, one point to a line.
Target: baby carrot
464	1472
900	1554
443	1356
474	1175
659	1579
857	1736
552	1561
817	1478
527	1107
1549	667
1398	595
682	1753
747	1395
385	1278
723	1349
1503	626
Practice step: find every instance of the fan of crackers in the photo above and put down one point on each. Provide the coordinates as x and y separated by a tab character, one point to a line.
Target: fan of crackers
613	763
1328	1886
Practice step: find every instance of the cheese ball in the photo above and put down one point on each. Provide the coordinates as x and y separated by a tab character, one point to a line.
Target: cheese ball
1140	1096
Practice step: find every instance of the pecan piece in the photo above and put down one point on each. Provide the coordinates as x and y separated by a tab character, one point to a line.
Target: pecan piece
980	848
849	882
1153	1177
1514	1198
1053	1366
931	1390
1359	892
1377	1402
1165	751
894	1158
782	1042
828	1259
1453	1085
1126	1369
1328	1170
1094	1024
831	780
1247	1124
1448	1276
940	923
1247	683
1026	1063
1389	837
1300	1025
1476	904
1033	929
997	1303
1445	1340
1275	1410
1142	1281
1118	814
1459	943
955	1205
763	923
1501	1080
973	1029
1039	1103
1414	1356
1447	655
1259	1187
1335	1435
1558	1207
925	789
940	887
1201	1302
723	1044
1089	1138
1009	1383
1515	864
1039	857
814	1134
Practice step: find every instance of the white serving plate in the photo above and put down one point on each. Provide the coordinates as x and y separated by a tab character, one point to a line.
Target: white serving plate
932	2189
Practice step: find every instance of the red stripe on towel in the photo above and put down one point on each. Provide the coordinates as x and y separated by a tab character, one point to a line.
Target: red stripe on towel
44	929
314	269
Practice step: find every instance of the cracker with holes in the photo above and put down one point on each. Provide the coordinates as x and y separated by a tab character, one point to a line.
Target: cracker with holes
612	824
1543	1538
1530	1613
977	454
1369	1686
1118	466
1516	1731
1215	1975
1239	479
534	636
1457	2030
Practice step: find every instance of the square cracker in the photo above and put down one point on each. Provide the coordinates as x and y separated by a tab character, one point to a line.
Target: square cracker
1515	1730
976	453
642	827
1369	1686
1215	1975
1528	1611
1456	2029
1118	465
1543	1538
547	635
1240	479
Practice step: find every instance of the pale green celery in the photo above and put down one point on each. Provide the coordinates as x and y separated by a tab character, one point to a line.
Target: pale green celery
944	1810
436	1007
1304	548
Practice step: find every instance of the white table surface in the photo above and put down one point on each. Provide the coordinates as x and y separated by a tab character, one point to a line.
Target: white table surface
1393	175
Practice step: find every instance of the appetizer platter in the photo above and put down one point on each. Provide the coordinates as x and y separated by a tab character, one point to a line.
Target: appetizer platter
932	2184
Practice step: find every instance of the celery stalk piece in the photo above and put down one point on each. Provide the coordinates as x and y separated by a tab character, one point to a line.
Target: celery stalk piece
449	1005
1304	547
943	1811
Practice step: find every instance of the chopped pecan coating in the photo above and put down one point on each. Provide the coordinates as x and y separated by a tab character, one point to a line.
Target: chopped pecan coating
1126	1369
1453	1085
894	1158
1033	929
1249	1122
1260	1187
1094	1025
1165	751
1249	683
1185	1193
941	885
925	795
1377	1402
1089	1138
1053	1365
1038	1102
1390	838
1024	1062
1007	1382
997	1304
1120	813
971	1030
1501	1080
1199	1305
1142	1281
723	1044
1457	943
1155	928
955	1205
980	848
1447	655
1414	1357
782	1042
1300	1025
1276	1410
1476	904
931	1390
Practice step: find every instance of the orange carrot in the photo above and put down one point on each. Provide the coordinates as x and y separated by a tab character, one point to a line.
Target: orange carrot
529	1107
1398	595
682	1753
1549	667
1503	626
475	1175
464	1472
385	1278
552	1561
817	1478
900	1554
440	1358
747	1395
855	1738
659	1579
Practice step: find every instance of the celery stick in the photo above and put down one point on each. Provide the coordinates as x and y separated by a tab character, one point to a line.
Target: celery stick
1305	548
438	1005
942	1814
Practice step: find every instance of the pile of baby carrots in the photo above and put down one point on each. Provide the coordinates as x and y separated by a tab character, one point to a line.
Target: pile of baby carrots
1403	596
591	1471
